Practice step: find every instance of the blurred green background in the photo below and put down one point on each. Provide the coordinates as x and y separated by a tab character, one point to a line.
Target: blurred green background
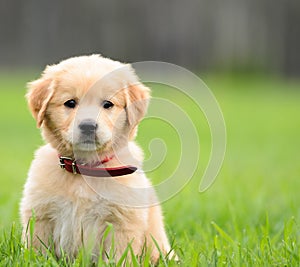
247	52
259	178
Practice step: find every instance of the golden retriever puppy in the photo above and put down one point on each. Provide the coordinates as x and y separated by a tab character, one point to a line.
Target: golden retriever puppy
89	175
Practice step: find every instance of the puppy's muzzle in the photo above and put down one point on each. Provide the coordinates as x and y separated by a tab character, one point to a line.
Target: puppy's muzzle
88	127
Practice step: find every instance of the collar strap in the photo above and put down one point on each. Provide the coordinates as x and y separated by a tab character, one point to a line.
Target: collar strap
71	166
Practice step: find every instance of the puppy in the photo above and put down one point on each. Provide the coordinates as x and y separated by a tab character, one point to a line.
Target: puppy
88	175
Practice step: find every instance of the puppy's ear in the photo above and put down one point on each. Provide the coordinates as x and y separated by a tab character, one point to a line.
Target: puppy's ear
38	97
137	100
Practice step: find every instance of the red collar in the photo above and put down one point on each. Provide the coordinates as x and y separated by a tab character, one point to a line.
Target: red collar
72	166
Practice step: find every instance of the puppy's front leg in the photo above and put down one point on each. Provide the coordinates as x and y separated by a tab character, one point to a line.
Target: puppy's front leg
38	233
122	239
157	232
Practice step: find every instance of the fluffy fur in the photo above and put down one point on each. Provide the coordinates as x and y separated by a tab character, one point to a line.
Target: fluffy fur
71	210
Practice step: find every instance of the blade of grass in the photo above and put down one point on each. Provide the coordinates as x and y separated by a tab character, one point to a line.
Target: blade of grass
162	257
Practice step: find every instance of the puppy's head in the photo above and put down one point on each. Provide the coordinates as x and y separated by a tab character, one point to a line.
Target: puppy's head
88	103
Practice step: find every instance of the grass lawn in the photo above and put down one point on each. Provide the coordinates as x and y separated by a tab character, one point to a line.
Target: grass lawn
251	214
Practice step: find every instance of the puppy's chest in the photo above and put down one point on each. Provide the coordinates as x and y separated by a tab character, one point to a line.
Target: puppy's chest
86	210
84	219
85	215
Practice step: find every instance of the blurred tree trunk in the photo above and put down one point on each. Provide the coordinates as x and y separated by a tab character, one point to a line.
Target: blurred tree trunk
291	36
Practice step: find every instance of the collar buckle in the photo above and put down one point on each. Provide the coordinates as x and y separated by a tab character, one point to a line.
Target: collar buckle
62	163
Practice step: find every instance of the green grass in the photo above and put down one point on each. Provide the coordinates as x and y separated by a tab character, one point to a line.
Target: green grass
249	217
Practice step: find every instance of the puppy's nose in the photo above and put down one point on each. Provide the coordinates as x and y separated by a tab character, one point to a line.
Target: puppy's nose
88	126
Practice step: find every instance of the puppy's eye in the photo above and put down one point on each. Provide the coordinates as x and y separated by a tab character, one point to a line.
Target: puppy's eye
70	103
107	104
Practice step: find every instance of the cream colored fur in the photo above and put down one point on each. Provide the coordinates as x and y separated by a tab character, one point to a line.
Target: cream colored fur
71	210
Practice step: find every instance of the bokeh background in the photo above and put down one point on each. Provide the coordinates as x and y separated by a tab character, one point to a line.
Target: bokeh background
246	51
201	35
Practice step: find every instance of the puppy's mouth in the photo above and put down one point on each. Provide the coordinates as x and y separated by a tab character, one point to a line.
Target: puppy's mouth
88	139
88	143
